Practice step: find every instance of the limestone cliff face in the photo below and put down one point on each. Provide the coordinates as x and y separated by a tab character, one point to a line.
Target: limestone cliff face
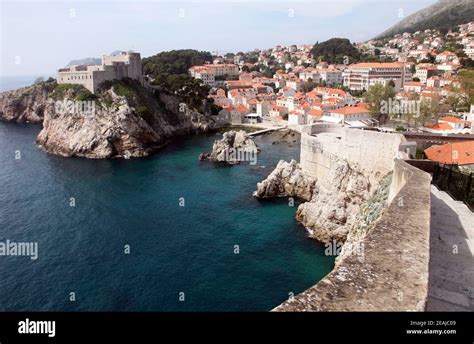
131	123
286	180
25	105
331	209
235	147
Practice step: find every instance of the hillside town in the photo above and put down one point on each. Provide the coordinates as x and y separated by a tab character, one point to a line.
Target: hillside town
417	77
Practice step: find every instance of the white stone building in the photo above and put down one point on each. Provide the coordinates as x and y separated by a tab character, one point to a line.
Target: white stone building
362	75
126	64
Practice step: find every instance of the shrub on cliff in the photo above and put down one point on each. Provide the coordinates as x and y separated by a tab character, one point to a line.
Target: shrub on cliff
78	92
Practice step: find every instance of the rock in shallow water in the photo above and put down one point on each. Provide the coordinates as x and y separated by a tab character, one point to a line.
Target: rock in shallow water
287	179
233	148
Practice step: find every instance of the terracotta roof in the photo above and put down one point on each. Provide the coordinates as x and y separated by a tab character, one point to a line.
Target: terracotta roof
377	65
315	113
451	119
439	126
242	109
453	153
350	110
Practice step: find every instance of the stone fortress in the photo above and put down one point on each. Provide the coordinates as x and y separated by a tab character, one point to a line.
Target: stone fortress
125	64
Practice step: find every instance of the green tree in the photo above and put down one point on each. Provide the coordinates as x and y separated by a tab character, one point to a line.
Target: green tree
377	96
336	50
174	61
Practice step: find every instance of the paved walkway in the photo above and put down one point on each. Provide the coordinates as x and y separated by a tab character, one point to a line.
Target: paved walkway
259	132
451	286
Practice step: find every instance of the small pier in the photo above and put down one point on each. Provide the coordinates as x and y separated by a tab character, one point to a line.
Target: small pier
263	131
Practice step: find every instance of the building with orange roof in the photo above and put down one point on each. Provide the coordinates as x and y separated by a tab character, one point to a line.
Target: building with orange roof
440	128
454	153
360	76
454	122
413	86
351	113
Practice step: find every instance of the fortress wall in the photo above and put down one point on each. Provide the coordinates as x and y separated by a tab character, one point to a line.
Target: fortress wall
390	271
371	151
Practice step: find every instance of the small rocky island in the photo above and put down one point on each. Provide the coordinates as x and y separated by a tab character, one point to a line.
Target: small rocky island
287	179
233	148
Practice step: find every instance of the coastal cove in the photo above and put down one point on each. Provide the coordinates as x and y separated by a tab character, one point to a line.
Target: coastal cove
224	250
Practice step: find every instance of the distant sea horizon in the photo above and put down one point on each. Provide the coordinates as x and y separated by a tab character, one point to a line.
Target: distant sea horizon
12	82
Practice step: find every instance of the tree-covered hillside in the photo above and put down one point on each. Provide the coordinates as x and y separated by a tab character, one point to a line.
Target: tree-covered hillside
174	61
335	50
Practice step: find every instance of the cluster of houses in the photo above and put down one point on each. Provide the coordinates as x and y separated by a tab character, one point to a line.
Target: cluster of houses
303	90
422	45
253	98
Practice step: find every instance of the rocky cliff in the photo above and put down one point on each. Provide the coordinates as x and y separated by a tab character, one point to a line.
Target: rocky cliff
25	105
287	179
331	209
122	120
233	148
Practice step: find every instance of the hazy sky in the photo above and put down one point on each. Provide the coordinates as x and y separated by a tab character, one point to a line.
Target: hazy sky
38	37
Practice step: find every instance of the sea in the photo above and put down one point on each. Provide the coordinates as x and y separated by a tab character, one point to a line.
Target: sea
162	233
8	83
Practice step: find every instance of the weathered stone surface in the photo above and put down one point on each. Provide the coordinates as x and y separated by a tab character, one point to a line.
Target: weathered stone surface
114	131
25	105
286	180
392	273
332	210
451	283
233	148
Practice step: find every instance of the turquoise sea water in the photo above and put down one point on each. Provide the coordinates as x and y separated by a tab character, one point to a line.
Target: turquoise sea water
173	249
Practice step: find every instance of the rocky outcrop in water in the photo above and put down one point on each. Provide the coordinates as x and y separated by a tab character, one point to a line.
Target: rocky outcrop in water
25	105
331	212
235	147
122	120
330	209
287	179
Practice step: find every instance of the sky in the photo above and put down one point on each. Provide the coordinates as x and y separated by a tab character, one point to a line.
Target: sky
38	37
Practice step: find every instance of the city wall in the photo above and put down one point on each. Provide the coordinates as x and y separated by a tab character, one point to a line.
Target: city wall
369	151
390	273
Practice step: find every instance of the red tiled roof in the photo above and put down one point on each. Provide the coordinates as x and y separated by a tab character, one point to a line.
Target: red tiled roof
453	153
350	110
439	126
451	119
377	65
315	113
